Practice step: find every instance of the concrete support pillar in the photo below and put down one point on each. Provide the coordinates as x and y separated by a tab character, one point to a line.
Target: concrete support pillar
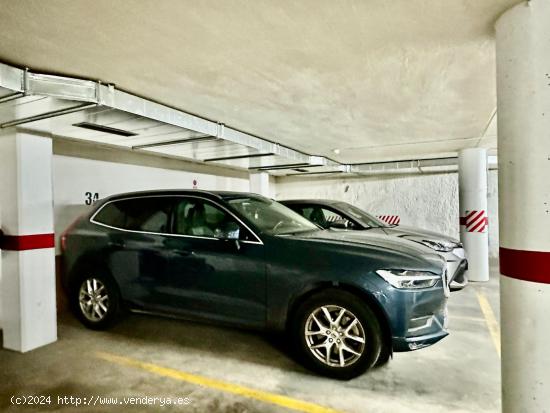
472	178
27	286
259	183
523	94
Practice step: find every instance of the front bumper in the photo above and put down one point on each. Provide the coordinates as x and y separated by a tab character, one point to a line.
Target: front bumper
457	264
423	332
459	279
415	343
418	318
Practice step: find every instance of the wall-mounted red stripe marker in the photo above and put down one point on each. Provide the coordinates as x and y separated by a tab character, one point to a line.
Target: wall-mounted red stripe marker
26	242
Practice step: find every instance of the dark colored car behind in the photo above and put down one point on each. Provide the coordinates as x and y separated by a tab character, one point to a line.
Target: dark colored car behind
346	302
341	215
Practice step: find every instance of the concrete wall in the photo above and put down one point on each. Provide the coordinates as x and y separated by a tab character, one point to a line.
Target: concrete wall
75	180
425	201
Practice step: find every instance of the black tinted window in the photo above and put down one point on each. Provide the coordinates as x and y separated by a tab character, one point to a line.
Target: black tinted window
111	215
139	214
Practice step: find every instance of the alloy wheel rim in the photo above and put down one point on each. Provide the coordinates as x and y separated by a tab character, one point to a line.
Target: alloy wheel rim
335	336
93	299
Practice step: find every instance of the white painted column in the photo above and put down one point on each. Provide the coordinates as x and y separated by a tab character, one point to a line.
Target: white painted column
259	183
27	288
523	91
472	183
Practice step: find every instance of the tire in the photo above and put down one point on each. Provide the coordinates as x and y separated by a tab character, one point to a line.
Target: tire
383	358
95	300
347	357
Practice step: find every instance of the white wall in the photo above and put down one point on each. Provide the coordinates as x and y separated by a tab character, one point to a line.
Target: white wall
74	177
425	201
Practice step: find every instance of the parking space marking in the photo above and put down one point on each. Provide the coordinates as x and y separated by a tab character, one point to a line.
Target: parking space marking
490	319
277	399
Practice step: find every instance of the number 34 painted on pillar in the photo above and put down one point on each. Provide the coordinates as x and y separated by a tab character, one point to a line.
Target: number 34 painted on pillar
91	197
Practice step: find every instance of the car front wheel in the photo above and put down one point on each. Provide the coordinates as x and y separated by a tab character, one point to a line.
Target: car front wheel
337	334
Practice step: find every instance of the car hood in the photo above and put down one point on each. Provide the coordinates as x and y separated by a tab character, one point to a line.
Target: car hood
416	233
376	240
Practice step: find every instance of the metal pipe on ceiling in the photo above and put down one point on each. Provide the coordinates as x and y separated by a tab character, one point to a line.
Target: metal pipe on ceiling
26	83
201	138
75	89
12	96
231	158
47	115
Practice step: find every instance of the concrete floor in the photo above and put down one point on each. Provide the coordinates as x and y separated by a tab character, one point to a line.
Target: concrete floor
459	374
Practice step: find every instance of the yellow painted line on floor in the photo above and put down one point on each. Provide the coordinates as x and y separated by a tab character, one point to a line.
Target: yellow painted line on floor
279	400
490	319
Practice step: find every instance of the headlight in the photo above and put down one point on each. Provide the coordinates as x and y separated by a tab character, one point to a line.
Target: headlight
410	280
440	246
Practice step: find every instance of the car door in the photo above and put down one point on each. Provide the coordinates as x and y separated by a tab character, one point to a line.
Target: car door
216	266
136	251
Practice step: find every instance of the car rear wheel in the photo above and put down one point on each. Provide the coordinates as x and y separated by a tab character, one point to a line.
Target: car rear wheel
337	335
95	300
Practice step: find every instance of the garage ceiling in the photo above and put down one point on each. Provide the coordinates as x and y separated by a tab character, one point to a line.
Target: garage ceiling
378	80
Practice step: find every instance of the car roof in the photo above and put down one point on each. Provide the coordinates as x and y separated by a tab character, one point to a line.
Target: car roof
168	192
310	201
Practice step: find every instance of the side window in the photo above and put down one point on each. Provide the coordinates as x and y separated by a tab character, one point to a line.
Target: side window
111	215
305	212
197	217
149	214
318	217
332	217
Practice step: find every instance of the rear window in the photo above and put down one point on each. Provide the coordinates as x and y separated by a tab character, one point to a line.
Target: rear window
139	214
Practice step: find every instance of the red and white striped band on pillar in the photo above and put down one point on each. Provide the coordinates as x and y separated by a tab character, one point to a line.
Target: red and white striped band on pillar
390	219
475	221
26	242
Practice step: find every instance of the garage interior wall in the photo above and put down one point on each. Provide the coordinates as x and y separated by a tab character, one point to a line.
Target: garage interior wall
428	201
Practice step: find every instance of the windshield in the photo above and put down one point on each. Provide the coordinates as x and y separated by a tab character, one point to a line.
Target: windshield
361	216
271	217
